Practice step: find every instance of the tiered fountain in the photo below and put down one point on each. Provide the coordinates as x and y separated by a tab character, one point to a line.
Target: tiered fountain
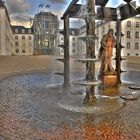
94	101
90	80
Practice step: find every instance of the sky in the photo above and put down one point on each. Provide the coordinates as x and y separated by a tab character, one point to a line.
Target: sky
21	11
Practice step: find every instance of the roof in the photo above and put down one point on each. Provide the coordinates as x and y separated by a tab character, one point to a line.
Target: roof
20	28
42	13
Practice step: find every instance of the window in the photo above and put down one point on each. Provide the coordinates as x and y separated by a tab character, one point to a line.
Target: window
103	29
137	24
73	32
97	32
73	44
136	34
17	50
29	31
16	43
128	34
73	38
62	38
23	37
30	37
73	51
16	30
23	30
136	45
128	45
16	37
108	27
62	51
128	23
23	51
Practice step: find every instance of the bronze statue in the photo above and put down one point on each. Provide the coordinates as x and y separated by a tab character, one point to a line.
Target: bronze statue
105	53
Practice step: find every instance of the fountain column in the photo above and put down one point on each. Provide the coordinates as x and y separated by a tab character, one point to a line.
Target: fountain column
118	50
66	52
90	52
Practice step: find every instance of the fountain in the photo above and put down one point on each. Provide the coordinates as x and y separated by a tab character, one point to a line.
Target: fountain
30	110
94	100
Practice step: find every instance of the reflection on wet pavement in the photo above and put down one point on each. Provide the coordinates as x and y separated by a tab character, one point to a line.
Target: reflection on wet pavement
29	111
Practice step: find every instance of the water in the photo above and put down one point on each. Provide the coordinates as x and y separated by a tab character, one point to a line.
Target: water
29	110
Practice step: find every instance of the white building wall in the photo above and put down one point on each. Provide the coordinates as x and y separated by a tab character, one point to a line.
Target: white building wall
72	45
9	39
2	30
132	51
124	40
6	34
102	29
24	44
81	47
60	42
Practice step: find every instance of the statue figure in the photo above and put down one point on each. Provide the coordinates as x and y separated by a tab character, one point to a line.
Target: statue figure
105	53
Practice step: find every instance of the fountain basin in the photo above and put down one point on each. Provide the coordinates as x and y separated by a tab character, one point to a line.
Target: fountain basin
30	109
104	104
87	83
88	60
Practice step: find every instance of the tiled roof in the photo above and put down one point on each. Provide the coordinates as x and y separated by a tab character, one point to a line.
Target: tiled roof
46	13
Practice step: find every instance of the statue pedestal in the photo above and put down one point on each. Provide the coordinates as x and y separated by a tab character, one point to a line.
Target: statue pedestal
110	80
111	91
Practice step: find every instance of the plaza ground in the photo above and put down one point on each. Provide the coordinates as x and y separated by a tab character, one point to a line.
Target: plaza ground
21	64
30	109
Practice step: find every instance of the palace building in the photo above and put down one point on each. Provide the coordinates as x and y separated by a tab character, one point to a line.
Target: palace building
46	28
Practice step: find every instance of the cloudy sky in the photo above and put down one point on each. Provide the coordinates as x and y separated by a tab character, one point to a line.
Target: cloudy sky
21	11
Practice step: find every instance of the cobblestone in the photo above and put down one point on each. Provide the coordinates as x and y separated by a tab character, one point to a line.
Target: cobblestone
29	109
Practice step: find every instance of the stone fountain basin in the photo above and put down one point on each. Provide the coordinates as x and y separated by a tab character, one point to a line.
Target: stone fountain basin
104	104
30	109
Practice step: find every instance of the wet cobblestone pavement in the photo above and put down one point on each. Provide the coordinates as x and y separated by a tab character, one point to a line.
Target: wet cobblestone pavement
29	111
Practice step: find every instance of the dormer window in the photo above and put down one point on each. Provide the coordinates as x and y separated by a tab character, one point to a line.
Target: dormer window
16	30
73	32
23	30
29	31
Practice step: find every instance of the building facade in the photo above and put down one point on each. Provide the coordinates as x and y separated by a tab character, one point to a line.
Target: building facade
46	28
73	40
130	40
81	46
6	34
24	40
60	51
131	35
